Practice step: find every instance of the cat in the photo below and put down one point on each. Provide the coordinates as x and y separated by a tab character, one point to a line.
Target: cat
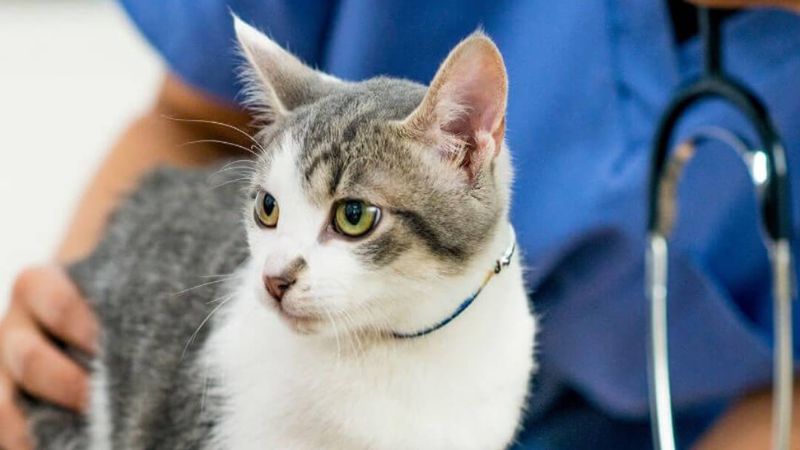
376	300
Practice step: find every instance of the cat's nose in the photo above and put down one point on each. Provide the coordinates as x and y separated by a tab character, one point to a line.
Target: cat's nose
277	286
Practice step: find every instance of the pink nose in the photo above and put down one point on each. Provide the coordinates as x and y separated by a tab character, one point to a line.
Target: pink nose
277	286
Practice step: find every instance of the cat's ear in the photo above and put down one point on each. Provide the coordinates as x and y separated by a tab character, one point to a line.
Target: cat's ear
463	112
277	82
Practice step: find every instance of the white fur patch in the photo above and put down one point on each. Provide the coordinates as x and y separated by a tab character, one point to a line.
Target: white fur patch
100	410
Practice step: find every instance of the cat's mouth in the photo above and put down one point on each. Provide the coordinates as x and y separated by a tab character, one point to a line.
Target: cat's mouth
301	321
305	324
293	315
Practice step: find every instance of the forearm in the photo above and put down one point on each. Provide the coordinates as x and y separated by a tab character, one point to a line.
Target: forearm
152	140
747	424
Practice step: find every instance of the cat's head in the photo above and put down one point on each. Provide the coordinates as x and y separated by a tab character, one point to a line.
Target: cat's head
376	205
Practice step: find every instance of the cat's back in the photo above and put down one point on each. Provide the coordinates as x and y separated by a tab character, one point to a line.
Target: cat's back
159	272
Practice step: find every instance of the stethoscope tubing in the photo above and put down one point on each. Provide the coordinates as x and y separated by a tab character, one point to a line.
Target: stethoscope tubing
773	194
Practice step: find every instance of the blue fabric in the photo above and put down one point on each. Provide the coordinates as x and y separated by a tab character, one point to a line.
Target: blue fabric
588	81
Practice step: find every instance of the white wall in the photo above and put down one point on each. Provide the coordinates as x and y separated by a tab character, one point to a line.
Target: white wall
72	74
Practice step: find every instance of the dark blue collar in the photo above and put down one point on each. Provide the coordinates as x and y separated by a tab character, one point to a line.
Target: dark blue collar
499	264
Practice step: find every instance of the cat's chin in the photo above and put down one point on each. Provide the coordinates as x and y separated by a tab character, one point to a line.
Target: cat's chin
308	325
299	323
305	325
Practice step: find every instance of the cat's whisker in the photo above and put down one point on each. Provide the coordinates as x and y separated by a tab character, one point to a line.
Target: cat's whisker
236	162
375	326
218	299
221	142
221	124
355	341
209	283
235	169
244	162
347	335
230	275
240	164
200	327
336	335
237	180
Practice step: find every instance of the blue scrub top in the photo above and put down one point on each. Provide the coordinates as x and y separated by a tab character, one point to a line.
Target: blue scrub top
588	81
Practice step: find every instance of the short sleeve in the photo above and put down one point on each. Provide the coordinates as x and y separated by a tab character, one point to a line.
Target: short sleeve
196	38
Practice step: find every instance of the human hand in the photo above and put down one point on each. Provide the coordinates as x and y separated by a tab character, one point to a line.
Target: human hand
44	302
793	5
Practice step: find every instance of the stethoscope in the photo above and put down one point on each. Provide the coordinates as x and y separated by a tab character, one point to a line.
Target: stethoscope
768	171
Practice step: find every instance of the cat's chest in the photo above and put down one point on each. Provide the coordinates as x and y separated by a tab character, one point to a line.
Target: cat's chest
295	397
343	409
281	392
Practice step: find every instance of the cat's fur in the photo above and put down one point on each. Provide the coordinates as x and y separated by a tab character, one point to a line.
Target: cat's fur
321	368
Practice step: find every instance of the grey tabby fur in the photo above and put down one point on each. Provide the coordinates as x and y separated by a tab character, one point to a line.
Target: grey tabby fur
176	232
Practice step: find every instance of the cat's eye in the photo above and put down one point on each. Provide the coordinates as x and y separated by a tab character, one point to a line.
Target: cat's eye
266	210
355	218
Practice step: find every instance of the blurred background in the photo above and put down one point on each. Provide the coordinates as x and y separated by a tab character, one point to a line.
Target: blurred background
53	131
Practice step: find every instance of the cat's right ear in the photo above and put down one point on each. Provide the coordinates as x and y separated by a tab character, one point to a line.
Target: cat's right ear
463	112
276	81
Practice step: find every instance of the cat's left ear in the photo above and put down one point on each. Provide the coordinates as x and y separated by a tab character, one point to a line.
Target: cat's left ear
278	82
463	112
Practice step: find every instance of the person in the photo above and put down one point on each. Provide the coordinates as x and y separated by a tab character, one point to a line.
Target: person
588	82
